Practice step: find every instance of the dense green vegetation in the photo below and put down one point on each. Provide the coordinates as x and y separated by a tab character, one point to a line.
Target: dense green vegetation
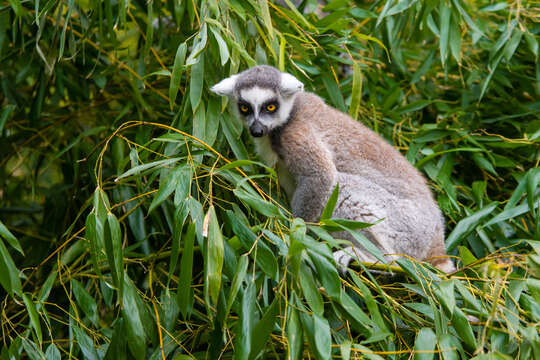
136	222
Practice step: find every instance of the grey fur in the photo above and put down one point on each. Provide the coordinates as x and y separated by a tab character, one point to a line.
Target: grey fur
263	76
319	147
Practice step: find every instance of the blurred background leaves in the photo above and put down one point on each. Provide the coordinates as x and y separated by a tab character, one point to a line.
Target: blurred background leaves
129	230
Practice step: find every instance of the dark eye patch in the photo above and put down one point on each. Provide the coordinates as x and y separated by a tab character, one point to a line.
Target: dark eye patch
244	108
272	103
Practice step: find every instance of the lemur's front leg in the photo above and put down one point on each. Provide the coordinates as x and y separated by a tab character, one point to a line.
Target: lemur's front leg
312	166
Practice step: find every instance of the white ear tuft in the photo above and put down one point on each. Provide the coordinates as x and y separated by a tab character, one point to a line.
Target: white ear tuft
290	85
225	87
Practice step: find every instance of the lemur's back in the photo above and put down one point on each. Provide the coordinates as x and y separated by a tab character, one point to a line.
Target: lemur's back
356	149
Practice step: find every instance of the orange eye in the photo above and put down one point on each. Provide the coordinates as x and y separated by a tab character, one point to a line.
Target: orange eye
271	107
244	108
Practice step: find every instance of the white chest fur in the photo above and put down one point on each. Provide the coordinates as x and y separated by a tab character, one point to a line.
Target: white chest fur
265	151
271	159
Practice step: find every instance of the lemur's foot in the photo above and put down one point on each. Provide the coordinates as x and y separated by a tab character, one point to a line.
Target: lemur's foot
343	258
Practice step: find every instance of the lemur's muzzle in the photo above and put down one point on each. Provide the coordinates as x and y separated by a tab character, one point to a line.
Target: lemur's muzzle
258	129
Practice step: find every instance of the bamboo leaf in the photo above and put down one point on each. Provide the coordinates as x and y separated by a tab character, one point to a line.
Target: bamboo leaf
177	70
295	339
214	255
135	334
85	301
196	84
10	238
356	96
9	275
245	325
85	343
424	345
310	290
263	329
323	339
33	315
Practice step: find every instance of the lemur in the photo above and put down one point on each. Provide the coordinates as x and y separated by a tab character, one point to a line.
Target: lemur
315	146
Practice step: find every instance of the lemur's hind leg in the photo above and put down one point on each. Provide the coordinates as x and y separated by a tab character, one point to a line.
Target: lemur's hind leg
437	256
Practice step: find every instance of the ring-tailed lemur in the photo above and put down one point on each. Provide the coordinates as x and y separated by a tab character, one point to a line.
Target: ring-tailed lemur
320	147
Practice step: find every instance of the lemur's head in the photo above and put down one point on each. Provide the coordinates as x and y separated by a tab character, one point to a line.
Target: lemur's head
264	96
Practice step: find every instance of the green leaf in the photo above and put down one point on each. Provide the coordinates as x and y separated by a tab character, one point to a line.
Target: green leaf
214	255
196	83
180	216
463	328
198	45
168	185
223	49
85	343
117	347
467	224
447	347
533	179
424	346
372	305
455	39
186	268
256	203
135	334
33	352
263	328
354	311
295	339
85	301
423	68
310	290
330	204
114	251
509	214
149	166
52	353
532	43
323	339
245	325
340	224
12	240
265	14
328	275
6	111
178	67
183	186
333	90
9	274
534	288
445	14
239	275
360	238
415	106
356	95
265	258
33	315
512	44
345	350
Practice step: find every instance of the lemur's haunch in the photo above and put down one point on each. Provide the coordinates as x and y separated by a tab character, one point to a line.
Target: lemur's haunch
314	147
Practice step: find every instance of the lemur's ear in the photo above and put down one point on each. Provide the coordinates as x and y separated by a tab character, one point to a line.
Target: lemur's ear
290	85
225	87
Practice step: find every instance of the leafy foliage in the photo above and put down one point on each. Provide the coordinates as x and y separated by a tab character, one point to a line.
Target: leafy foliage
128	230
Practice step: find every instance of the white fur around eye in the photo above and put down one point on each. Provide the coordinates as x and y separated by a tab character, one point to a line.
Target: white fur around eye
225	87
256	96
290	85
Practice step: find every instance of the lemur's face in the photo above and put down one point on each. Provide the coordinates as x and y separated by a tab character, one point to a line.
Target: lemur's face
264	97
262	109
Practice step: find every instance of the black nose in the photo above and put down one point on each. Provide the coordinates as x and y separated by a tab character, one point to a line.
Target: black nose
257	129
